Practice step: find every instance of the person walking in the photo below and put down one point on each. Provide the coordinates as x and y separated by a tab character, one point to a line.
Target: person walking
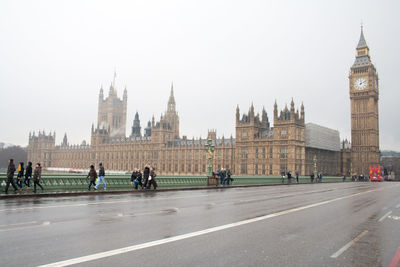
289	177
344	178
146	174
20	174
93	176
133	177
297	176
28	175
312	177
228	176
37	174
283	177
102	178
152	179
222	175
10	176
320	177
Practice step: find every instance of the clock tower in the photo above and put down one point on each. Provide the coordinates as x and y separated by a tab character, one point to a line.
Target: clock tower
364	96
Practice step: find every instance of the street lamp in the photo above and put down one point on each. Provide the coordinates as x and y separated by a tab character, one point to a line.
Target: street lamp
210	148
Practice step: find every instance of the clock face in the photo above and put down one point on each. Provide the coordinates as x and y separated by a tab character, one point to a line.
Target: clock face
360	83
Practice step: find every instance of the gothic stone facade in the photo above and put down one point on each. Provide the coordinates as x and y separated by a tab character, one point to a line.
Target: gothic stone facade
257	149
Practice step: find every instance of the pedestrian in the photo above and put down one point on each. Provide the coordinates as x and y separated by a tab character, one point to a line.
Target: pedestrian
28	174
283	177
312	177
20	174
133	177
320	177
93	176
10	176
297	176
228	176
222	176
152	179
102	178
138	180
344	178
289	177
146	174
37	175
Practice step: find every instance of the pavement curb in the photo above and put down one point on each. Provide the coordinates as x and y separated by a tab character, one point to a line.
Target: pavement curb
115	192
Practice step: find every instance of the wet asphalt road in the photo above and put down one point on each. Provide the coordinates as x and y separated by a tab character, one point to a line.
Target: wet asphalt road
296	225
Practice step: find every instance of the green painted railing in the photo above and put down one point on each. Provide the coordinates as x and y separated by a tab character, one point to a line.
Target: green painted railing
78	182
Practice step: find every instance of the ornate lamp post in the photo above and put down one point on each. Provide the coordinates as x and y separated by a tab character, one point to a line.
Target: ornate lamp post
210	148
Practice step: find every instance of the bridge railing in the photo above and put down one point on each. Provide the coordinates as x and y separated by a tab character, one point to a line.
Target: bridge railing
78	182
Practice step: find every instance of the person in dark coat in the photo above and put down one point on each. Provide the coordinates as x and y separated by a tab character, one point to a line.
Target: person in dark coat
10	176
20	175
146	174
289	177
93	176
152	179
297	176
28	174
37	174
312	177
228	176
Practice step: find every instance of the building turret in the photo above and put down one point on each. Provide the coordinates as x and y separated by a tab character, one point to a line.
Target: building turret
147	130
65	140
237	114
136	127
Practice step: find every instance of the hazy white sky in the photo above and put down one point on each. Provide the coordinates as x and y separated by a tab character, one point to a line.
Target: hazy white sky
55	55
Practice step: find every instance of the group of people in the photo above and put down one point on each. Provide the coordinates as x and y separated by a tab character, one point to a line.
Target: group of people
319	177
289	176
224	176
24	176
145	180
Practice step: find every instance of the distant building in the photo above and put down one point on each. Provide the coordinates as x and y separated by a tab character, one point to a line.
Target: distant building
260	147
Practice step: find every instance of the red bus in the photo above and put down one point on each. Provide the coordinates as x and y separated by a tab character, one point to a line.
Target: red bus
376	173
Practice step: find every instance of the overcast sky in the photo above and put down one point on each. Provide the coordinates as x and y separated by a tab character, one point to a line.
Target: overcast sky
55	55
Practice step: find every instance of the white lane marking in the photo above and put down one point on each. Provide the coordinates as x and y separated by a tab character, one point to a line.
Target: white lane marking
352	242
114	252
99	203
45	223
384	216
17	224
394	217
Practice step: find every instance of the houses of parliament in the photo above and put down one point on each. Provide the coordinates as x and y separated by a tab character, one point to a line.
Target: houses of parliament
259	147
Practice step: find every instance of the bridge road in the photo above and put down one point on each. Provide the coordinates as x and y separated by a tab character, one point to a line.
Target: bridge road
349	224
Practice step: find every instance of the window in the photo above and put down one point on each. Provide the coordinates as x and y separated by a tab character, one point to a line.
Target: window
256	153
263	153
270	169
256	169
283	132
243	169
271	153
284	152
244	153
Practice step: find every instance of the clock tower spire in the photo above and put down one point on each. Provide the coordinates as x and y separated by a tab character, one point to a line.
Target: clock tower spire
364	97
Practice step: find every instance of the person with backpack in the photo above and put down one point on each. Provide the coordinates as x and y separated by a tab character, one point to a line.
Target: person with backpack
28	174
10	176
37	174
93	176
102	178
20	175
